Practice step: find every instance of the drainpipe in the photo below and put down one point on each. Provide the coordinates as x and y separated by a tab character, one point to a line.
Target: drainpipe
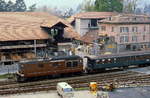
35	47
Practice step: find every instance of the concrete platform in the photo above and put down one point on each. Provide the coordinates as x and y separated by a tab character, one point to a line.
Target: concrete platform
140	92
78	94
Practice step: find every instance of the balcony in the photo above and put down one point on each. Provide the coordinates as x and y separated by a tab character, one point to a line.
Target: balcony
22	46
93	27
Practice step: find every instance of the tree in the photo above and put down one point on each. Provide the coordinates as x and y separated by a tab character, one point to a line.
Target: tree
147	9
138	11
10	6
130	6
67	13
20	6
88	6
2	6
104	5
109	5
32	8
116	5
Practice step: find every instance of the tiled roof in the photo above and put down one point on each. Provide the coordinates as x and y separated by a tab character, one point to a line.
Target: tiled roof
127	18
71	33
26	25
71	19
90	15
89	37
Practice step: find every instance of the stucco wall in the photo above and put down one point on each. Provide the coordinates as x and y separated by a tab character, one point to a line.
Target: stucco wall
82	26
117	34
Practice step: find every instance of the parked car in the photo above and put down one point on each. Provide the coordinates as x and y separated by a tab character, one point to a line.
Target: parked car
65	90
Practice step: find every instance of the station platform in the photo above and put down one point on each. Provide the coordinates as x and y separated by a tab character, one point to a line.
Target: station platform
51	94
140	92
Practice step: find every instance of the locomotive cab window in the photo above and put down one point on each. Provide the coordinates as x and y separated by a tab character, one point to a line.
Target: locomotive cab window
68	64
55	64
75	63
40	65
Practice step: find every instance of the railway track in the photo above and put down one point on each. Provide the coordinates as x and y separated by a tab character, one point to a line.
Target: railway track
120	79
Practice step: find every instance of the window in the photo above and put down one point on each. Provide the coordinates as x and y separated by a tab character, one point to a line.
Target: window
54	32
134	19
72	64
112	29
124	39
121	39
124	29
75	63
144	28
21	66
121	29
134	38
55	64
103	28
144	37
103	61
69	64
128	47
134	29
93	22
40	65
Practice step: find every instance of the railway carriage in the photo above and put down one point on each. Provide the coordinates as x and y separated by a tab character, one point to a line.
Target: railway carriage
74	64
117	60
48	67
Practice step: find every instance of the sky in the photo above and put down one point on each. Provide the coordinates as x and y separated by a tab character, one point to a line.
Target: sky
54	3
66	3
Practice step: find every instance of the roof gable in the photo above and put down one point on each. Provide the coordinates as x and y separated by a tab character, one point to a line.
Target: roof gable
26	25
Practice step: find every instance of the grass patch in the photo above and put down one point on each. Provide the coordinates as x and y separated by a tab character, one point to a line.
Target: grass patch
6	76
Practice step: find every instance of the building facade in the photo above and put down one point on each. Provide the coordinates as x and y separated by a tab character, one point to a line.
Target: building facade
130	32
87	22
29	35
